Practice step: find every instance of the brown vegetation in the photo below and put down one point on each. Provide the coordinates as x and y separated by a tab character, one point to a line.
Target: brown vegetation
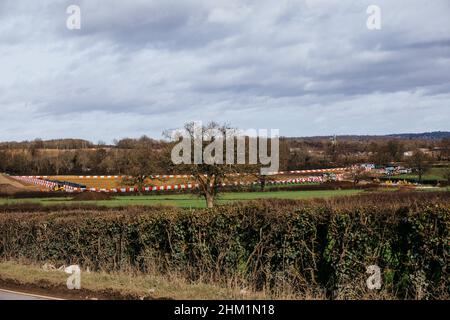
135	156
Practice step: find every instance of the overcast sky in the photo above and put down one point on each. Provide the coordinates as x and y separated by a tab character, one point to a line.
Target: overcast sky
305	67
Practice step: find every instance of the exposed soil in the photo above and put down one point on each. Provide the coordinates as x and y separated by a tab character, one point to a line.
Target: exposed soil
91	196
9	186
8	180
8	189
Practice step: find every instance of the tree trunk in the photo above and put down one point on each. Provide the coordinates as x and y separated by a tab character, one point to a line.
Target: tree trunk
209	200
263	184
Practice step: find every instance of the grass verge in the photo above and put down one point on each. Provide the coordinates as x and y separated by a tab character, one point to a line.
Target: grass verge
117	286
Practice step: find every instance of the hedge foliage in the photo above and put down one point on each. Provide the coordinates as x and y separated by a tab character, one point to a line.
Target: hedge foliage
278	246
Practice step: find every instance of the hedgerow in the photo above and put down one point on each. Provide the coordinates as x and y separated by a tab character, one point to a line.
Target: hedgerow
301	247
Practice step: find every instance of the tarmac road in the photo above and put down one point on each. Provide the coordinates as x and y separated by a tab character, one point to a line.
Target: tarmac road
14	295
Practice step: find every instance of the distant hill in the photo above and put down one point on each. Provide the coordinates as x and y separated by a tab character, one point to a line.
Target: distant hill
71	144
436	135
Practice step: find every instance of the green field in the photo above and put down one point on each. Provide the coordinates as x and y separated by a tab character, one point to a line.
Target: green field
188	201
431	174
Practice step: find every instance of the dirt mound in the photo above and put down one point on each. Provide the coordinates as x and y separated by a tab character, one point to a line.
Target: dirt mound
92	196
15	186
9	189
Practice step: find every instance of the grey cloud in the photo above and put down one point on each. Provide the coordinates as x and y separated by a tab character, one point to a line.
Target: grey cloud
160	63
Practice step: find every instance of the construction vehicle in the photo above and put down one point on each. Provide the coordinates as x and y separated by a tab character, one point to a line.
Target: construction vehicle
64	185
59	188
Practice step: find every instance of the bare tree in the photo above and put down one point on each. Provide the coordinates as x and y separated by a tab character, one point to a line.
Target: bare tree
211	172
357	174
419	161
142	163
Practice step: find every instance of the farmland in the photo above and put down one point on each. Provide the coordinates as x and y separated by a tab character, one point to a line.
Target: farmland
179	190
186	200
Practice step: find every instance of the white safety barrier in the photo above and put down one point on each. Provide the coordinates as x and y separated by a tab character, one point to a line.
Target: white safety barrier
41	180
51	185
44	183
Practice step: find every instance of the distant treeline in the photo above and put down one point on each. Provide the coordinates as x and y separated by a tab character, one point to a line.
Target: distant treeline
72	144
146	155
63	144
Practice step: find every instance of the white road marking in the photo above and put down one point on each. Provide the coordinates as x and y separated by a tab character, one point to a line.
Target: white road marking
29	295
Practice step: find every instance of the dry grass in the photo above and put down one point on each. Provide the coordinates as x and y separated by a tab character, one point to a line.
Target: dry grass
127	284
121	285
